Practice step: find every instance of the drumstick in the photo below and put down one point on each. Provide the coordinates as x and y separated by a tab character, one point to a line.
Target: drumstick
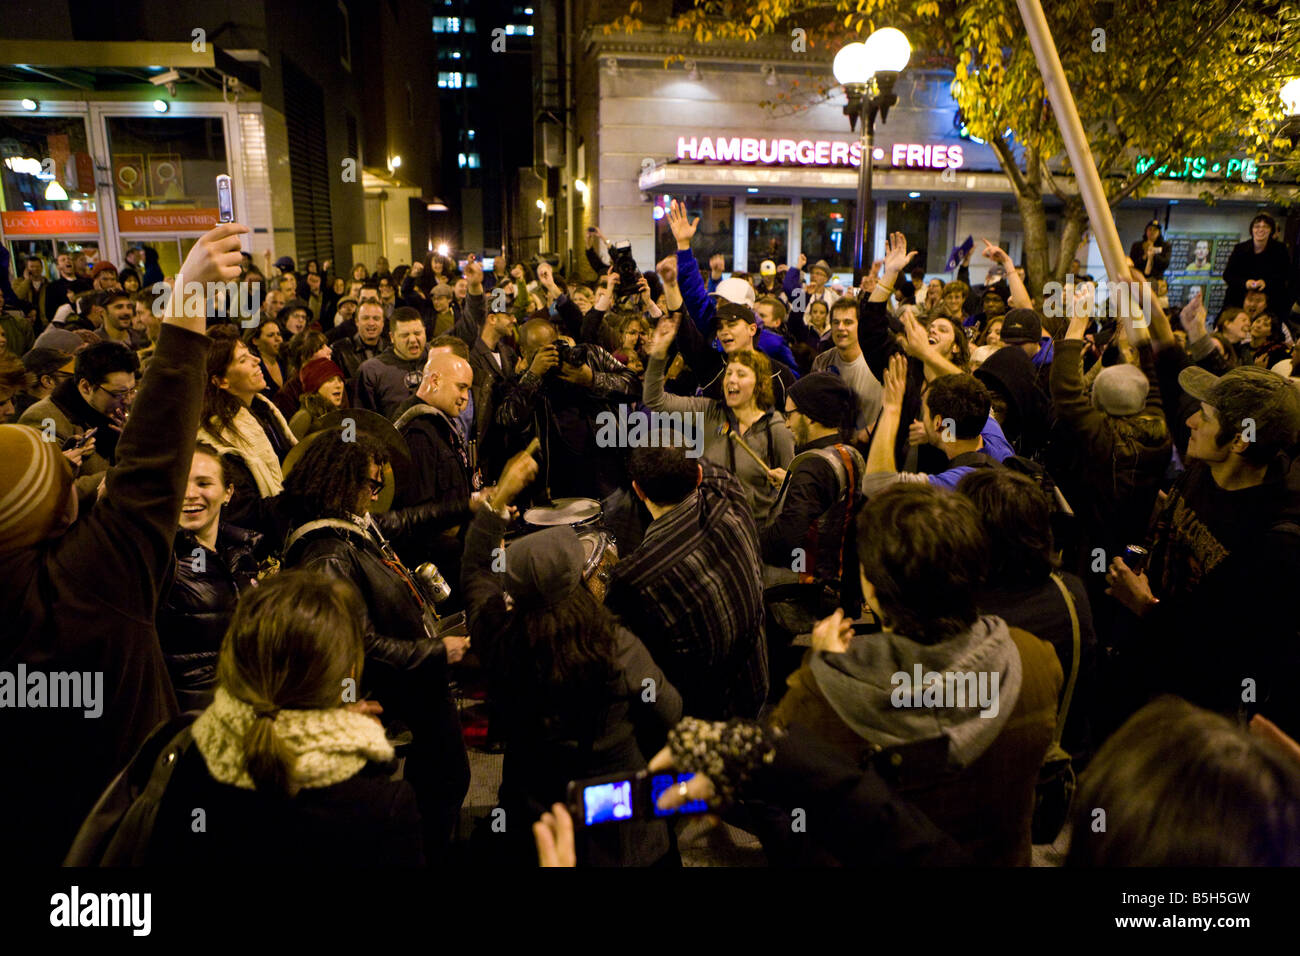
752	454
534	446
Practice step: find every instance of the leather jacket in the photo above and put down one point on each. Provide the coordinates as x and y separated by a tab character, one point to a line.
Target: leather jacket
396	634
196	608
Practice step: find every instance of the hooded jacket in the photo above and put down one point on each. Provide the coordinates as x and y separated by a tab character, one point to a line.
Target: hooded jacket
1011	373
970	769
1120	461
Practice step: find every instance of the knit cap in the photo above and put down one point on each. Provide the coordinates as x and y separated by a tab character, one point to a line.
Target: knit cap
35	481
543	568
317	372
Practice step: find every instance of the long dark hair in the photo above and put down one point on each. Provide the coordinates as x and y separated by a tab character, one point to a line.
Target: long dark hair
219	406
570	646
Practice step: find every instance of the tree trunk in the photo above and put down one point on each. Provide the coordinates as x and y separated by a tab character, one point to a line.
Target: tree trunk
1074	222
1033	220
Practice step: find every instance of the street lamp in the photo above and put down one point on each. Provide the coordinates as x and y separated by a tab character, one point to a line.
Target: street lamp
1290	94
868	71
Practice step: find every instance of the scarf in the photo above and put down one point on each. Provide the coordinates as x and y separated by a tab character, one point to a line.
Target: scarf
248	441
329	746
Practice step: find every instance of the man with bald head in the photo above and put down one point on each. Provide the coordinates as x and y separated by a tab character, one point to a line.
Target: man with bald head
558	401
443	474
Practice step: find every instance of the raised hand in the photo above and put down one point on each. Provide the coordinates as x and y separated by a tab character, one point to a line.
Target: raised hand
662	337
895	384
996	253
896	255
681	224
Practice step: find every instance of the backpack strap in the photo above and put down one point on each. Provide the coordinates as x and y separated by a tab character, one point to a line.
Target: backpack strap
1063	711
300	532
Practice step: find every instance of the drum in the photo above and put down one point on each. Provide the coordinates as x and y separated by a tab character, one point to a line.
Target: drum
600	554
580	514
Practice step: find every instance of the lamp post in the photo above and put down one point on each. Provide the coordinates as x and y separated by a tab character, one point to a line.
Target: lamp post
868	71
1290	94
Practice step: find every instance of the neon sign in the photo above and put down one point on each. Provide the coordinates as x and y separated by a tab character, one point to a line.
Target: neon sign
805	152
1199	167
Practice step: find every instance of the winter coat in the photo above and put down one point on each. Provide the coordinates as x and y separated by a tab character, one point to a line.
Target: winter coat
972	775
72	418
1121	461
259	474
85	601
1273	265
196	608
769	436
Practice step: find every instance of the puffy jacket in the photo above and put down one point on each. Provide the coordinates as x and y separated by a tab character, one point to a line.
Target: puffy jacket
197	606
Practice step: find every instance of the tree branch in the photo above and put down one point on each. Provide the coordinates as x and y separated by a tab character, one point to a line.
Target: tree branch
1009	166
1133	185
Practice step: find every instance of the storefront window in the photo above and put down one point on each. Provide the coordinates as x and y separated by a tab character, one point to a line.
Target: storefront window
49	180
164	172
928	227
828	232
714	234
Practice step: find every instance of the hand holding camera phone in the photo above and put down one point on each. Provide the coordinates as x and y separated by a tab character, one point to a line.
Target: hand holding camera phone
225	199
624	797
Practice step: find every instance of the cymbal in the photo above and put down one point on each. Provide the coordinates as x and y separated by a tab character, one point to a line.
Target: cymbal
377	428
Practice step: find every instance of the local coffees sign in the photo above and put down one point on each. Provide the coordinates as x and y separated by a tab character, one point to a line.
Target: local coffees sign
806	152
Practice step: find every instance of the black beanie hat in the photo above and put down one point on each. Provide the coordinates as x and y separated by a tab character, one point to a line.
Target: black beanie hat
825	398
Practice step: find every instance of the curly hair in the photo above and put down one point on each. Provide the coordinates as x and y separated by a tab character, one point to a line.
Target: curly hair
960	355
758	363
327	480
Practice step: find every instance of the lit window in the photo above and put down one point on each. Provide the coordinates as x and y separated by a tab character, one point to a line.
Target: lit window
450	81
471	134
473	160
471	79
446	24
469	26
460	160
455	54
518	29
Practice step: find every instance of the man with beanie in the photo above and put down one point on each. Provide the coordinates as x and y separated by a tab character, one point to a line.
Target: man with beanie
1119	442
78	592
809	538
693	589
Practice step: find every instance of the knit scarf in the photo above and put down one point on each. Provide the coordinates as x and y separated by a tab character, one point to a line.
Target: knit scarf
248	440
329	746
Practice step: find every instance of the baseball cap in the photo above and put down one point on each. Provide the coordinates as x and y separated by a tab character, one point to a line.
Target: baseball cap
1248	392
767	268
735	290
734	312
1020	326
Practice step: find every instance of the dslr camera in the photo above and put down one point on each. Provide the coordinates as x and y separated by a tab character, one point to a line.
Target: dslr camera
620	257
574	355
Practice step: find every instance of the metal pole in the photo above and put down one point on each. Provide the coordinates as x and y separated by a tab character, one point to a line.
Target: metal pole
1076	147
860	221
869	243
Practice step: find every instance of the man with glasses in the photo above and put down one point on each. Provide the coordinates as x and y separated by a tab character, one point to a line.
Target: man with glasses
48	369
95	400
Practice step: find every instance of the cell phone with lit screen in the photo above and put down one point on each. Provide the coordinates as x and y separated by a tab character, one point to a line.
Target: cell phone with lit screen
225	199
624	797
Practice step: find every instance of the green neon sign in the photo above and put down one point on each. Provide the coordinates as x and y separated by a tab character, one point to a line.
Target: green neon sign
1201	167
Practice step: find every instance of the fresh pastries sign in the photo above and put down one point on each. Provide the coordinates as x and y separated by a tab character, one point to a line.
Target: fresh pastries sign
821	152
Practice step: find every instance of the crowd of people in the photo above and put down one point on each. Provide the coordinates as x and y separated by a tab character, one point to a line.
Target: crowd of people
929	552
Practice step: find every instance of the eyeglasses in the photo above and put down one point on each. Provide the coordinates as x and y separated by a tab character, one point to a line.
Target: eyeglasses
124	393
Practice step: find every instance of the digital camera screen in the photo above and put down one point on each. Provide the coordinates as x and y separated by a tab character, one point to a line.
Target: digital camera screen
607	802
661	782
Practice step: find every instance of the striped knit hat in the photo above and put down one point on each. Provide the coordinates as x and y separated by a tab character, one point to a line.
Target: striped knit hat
35	481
